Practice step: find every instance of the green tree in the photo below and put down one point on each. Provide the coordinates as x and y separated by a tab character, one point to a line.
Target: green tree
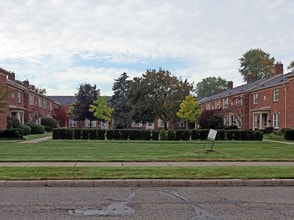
100	109
189	110
210	85
258	63
157	94
85	97
120	103
291	66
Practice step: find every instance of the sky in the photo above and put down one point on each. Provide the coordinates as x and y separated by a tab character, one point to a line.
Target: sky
60	44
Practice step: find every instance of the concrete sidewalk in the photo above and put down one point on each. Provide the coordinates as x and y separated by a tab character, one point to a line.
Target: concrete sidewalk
143	164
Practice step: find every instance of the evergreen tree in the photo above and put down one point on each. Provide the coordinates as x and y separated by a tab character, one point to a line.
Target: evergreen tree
119	102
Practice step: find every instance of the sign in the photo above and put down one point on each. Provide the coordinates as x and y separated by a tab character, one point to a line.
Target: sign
211	135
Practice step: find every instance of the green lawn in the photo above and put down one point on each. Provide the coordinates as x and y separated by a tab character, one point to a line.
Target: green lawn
43	173
93	150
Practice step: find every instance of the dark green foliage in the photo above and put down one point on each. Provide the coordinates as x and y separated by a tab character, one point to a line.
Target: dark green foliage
27	129
268	130
171	135
12	122
163	134
210	85
221	135
141	134
35	128
289	134
155	135
101	134
203	133
124	134
77	134
195	134
113	134
11	134
182	134
49	123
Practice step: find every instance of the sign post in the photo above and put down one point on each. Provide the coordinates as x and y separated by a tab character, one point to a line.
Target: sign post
211	137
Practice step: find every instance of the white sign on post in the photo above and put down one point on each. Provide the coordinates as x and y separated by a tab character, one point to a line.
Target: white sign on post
211	137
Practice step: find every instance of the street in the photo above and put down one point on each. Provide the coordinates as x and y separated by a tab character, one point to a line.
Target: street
147	203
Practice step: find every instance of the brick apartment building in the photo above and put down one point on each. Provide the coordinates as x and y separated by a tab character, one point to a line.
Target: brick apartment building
257	104
23	101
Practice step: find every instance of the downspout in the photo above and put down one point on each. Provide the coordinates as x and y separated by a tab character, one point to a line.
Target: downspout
285	108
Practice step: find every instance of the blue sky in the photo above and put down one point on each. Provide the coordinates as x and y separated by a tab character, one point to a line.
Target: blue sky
58	45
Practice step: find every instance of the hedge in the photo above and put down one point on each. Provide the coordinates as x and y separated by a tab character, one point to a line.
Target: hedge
289	134
140	134
11	134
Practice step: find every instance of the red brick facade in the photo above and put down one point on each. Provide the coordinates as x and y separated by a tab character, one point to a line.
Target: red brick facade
263	103
23	101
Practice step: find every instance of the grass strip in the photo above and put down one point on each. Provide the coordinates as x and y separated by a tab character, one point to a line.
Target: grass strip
59	173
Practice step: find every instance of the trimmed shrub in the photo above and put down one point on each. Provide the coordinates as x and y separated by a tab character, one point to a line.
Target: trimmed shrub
11	134
171	135
49	123
182	134
203	133
92	133
221	135
163	134
155	135
77	134
258	135
229	135
35	128
12	122
113	134
85	134
101	134
195	134
27	129
289	134
125	134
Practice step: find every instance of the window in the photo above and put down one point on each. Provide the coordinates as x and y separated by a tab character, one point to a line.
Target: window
31	99
40	102
256	120
225	121
72	123
255	98
19	97
225	103
90	124
276	94
276	120
208	106
239	101
239	121
217	104
136	124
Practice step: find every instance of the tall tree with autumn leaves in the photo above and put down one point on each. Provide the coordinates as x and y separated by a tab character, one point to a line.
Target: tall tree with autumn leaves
189	110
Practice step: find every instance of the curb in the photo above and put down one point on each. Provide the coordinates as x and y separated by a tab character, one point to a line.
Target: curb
147	183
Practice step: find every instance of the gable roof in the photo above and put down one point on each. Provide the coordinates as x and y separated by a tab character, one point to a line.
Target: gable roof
64	100
234	91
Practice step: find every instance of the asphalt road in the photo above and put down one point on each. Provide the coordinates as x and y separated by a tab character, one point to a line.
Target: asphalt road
147	203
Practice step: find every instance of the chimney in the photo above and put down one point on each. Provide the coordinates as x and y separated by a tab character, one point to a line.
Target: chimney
230	85
279	68
26	83
250	78
11	76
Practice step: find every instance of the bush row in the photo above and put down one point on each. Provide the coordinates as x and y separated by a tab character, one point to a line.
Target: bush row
11	134
122	134
289	134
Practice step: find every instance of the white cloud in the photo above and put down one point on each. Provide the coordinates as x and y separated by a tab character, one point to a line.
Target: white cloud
43	39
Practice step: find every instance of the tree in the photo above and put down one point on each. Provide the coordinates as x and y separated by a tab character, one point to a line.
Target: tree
157	94
258	63
189	110
85	97
291	66
100	109
210	85
120	103
60	115
210	119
